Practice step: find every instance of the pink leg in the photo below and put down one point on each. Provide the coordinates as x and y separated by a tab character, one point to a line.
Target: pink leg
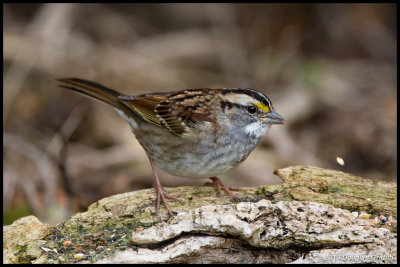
160	191
217	183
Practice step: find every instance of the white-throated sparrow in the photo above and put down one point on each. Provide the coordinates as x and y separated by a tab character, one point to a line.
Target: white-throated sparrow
198	133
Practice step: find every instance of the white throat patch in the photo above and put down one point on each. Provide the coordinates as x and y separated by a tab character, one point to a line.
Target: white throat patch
256	129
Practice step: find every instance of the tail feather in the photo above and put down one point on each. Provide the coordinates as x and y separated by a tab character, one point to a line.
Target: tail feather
96	91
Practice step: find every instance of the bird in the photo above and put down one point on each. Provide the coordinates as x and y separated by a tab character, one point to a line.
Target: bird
193	133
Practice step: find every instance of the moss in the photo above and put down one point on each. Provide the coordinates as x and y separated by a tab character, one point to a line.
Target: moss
22	248
24	259
339	189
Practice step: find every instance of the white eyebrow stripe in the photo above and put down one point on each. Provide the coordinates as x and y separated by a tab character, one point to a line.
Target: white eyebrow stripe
246	97
241	99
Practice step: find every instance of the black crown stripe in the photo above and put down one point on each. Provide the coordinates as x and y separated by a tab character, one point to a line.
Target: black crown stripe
254	94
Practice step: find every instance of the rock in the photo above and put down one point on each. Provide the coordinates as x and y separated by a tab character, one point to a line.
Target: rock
307	219
22	240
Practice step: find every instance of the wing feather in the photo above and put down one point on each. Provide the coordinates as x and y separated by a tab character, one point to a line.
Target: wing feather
182	113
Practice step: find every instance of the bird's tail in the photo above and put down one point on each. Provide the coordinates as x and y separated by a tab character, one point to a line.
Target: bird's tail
96	91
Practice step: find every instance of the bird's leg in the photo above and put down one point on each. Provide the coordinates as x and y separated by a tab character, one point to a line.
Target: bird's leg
169	196
160	191
217	183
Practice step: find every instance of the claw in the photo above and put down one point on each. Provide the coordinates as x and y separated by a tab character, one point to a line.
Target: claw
217	183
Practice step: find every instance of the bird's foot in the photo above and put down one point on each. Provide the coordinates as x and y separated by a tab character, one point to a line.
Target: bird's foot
218	184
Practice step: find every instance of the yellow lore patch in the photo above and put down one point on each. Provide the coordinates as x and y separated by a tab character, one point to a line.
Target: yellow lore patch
262	106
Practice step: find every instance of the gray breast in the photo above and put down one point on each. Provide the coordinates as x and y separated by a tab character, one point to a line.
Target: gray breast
194	158
197	158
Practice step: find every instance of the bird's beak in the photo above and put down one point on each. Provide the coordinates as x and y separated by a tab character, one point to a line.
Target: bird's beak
273	118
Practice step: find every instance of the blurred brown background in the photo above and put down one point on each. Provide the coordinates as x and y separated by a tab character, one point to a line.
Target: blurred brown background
330	70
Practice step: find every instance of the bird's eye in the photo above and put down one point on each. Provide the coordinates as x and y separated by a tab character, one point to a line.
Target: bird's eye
252	109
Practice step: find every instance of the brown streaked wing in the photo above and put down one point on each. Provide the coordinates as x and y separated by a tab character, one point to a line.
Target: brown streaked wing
180	112
185	110
155	108
171	116
144	105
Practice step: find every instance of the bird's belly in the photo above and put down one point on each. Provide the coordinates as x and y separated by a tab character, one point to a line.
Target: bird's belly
194	165
193	158
197	163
